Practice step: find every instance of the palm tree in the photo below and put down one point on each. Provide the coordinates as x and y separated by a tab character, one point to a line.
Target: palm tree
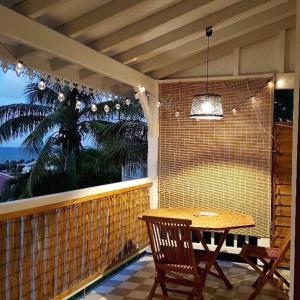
57	130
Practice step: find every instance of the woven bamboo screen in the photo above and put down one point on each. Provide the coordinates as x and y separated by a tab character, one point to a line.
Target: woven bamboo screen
223	164
51	253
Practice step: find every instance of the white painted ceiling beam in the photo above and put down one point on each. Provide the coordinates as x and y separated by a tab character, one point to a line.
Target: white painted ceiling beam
219	36
221	50
140	52
36	8
97	16
166	15
37	36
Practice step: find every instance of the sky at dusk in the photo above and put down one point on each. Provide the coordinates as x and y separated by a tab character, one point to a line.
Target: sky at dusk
12	91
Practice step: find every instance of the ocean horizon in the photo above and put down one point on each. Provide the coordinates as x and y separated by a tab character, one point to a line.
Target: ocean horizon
15	153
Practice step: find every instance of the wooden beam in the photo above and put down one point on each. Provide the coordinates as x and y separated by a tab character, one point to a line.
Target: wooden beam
220	36
37	36
193	29
281	51
227	47
36	8
96	17
155	20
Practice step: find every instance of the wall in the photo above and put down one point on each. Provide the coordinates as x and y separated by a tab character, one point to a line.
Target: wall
224	164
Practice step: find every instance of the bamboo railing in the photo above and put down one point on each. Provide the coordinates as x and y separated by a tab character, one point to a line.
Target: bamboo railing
50	251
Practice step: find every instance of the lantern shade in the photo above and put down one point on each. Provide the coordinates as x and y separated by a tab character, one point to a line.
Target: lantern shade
207	107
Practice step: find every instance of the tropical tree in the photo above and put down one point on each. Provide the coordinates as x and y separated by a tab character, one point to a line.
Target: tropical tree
56	131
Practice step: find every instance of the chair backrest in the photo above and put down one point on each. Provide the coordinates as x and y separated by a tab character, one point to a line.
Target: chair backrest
171	242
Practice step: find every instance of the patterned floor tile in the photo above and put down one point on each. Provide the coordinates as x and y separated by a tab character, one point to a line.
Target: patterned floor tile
136	280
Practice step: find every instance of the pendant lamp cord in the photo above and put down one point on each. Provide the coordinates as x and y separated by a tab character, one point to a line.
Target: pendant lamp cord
207	59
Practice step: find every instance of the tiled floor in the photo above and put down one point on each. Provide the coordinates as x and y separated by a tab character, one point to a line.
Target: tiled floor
135	282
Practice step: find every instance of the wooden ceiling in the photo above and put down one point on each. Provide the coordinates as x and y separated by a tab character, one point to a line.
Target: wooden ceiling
156	37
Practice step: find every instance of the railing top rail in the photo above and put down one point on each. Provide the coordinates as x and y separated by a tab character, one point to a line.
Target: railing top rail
17	208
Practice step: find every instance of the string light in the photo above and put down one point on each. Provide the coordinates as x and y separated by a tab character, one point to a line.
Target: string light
106	108
142	89
94	107
19	68
158	104
253	99
78	105
42	84
61	97
177	114
234	111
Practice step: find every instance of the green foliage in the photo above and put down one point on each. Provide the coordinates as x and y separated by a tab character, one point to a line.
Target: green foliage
56	131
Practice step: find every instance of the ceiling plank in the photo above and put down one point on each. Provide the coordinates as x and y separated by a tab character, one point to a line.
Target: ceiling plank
39	37
157	19
94	18
194	28
221	50
219	36
36	8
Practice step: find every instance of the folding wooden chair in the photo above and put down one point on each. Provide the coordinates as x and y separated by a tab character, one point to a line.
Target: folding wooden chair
173	254
270	258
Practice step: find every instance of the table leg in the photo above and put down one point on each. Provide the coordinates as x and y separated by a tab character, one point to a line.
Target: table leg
212	261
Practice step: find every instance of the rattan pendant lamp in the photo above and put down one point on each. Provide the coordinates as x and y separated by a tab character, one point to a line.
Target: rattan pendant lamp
207	106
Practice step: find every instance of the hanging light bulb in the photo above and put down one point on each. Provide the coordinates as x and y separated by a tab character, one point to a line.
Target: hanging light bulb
4	67
106	108
61	97
118	106
253	99
136	96
78	105
207	106
127	101
142	89
234	111
158	104
19	68
177	114
42	84
94	107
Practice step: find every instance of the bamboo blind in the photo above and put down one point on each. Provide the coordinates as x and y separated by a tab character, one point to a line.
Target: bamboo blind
48	253
223	164
282	185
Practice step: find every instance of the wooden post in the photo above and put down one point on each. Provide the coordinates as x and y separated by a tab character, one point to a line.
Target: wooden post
295	230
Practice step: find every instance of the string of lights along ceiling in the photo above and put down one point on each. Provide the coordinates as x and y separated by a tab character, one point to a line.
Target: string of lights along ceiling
45	80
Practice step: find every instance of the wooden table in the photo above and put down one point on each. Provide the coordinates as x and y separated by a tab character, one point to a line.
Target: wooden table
208	219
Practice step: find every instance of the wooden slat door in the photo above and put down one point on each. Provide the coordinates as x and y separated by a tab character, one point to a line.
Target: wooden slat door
282	188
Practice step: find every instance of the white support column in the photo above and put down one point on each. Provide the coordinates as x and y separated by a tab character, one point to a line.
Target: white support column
281	51
151	113
236	62
295	148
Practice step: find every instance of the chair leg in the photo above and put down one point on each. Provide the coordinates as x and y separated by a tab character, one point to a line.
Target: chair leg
161	277
257	290
153	289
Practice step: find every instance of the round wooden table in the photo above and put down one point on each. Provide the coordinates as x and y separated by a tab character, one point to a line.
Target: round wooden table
207	219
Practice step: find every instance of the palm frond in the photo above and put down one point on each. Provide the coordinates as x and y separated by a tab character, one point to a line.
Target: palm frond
17	127
13	111
45	126
41	166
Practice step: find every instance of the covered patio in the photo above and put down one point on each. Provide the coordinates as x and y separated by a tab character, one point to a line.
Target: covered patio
233	154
